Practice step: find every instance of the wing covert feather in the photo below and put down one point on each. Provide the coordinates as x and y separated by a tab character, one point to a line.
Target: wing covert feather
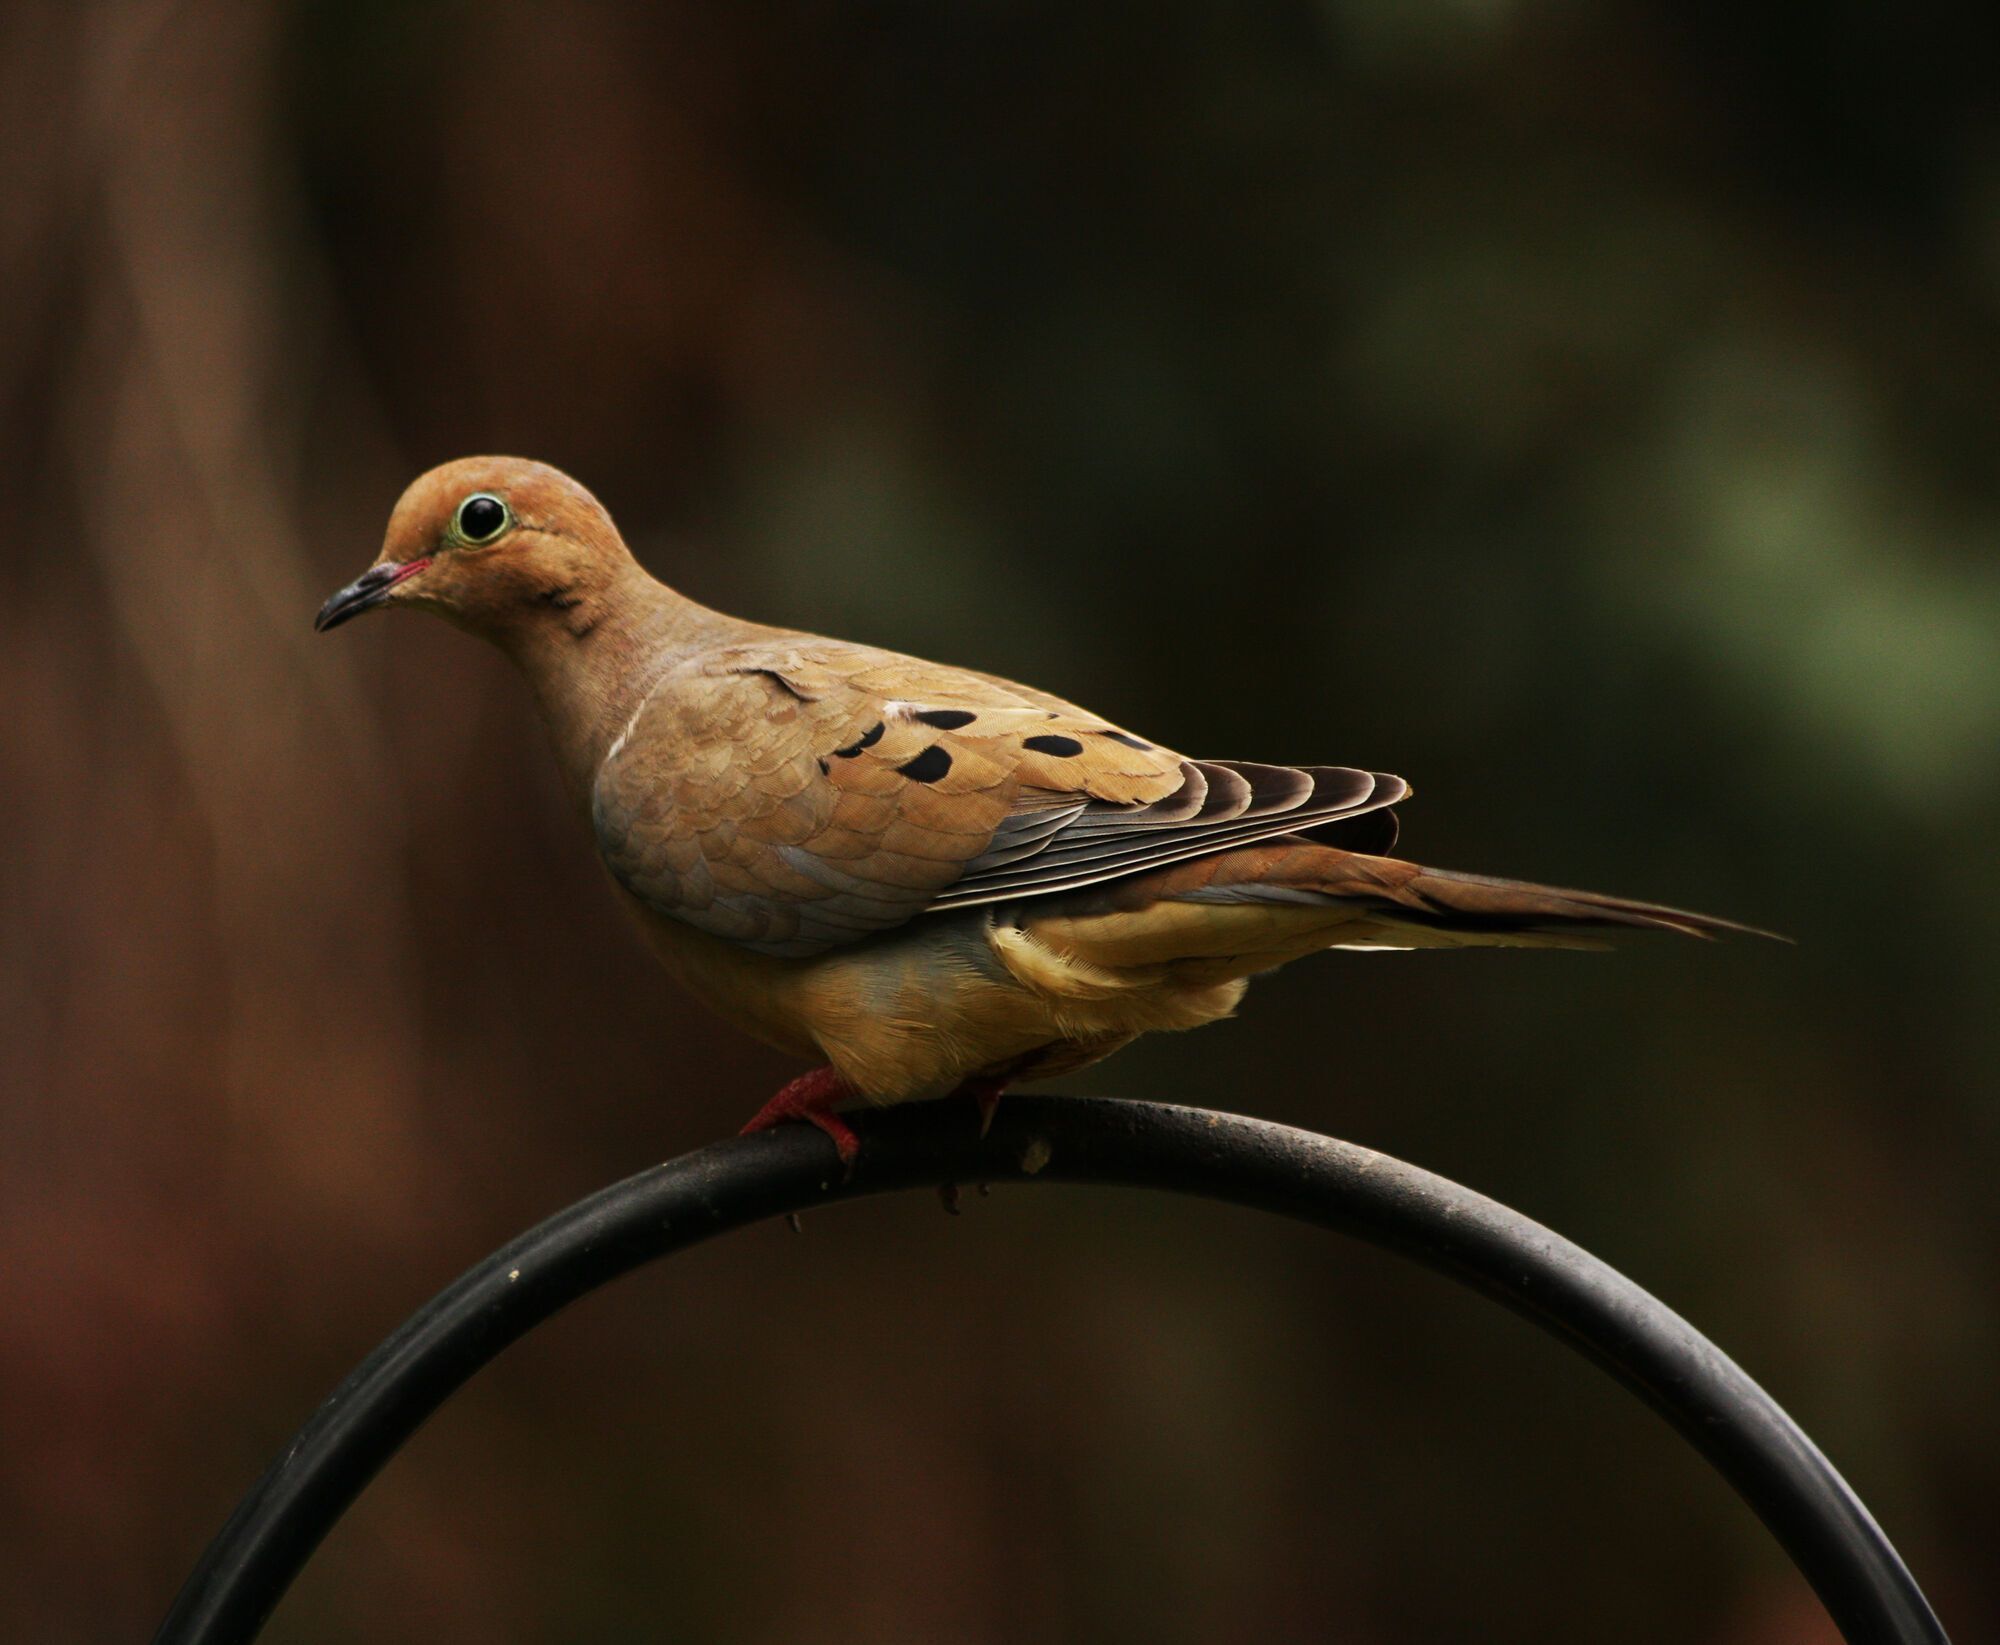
795	794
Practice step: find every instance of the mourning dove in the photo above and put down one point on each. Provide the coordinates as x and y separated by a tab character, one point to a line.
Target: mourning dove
926	878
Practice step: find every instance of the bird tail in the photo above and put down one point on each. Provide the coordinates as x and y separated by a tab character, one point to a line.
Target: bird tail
1482	908
1246	910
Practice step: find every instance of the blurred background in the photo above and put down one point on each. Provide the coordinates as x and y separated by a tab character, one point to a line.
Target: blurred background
1585	409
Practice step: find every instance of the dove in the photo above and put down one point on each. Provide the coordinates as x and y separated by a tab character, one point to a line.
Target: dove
924	879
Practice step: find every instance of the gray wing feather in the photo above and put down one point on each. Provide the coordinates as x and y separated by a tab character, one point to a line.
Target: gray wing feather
1219	805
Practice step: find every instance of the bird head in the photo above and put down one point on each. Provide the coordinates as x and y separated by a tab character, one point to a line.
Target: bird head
497	545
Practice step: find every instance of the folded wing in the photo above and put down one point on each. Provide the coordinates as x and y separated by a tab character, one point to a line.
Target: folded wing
793	795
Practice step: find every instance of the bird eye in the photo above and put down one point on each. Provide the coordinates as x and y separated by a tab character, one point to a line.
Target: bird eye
481	518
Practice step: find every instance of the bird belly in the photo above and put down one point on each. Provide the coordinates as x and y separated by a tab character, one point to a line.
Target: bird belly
756	992
966	994
915	1012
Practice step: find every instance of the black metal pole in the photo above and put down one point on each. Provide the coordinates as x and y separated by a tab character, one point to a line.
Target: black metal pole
1538	1274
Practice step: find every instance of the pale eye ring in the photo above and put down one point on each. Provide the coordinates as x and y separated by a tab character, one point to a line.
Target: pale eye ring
481	518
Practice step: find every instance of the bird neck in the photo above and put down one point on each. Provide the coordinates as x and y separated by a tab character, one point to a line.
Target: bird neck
592	660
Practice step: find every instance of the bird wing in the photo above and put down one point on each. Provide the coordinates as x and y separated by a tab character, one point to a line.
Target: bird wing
793	794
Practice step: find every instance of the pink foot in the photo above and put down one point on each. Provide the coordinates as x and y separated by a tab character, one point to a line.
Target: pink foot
812	1097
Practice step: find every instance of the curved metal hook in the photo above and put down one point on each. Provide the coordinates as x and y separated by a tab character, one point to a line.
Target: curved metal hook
1578	1299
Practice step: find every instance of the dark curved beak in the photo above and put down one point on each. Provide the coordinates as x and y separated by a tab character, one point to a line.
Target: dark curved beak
366	592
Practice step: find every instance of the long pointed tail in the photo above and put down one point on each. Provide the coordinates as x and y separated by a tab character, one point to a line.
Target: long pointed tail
1470	905
1262	905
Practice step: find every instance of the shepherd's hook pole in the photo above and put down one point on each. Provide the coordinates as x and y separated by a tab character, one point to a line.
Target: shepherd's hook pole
1540	1275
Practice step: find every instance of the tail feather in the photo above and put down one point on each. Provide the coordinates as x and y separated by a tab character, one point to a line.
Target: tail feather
1258	906
1454	901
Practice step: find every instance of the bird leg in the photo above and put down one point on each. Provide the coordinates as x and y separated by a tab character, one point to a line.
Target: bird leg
986	1090
812	1097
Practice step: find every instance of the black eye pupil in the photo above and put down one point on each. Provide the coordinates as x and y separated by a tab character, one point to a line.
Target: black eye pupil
480	518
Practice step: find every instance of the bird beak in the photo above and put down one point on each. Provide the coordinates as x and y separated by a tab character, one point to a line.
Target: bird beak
366	592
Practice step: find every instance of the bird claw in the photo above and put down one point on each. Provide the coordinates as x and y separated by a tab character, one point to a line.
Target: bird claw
986	1091
811	1097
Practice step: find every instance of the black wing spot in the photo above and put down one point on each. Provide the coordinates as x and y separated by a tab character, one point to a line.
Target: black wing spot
946	719
1128	740
928	766
867	739
824	768
1064	747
